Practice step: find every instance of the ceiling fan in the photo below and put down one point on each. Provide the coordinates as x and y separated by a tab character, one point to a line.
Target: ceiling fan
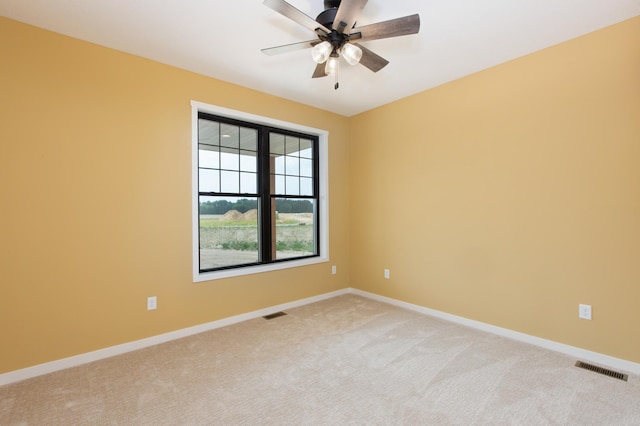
337	35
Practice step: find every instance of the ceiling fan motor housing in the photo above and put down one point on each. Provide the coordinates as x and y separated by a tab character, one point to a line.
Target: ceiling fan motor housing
327	17
332	4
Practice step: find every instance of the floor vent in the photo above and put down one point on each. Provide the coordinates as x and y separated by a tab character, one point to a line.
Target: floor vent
601	370
275	315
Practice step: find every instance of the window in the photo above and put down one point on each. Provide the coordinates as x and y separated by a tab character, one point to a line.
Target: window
259	194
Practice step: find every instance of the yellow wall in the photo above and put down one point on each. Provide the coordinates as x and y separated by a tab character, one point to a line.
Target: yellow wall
512	195
95	184
508	197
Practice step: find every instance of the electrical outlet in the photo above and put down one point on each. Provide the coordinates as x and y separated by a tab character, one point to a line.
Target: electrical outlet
584	312
387	274
334	269
152	303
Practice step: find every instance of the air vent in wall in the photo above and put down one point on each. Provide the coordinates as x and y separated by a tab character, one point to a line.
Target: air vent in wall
275	315
601	370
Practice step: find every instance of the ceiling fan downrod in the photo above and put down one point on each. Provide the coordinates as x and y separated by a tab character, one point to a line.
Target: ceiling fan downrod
327	16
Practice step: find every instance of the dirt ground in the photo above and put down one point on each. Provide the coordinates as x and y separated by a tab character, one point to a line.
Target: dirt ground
235	215
306	218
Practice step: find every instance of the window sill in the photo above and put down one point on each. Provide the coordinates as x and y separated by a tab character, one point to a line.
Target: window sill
257	269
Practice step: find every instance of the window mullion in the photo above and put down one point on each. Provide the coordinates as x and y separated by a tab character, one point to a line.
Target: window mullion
266	231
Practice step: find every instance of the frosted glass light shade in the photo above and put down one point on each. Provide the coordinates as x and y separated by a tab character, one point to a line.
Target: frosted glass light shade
351	53
321	52
332	65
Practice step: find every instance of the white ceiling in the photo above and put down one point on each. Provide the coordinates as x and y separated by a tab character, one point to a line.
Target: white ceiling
222	39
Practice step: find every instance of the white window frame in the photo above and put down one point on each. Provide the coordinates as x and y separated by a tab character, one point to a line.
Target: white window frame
323	211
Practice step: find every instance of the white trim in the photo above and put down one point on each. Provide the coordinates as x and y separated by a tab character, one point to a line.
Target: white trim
323	146
74	361
582	354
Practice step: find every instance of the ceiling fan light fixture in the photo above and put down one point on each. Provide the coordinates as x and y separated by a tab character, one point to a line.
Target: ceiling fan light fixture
331	68
351	53
321	52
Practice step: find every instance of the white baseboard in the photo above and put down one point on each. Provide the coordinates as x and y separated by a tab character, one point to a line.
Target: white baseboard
50	367
582	354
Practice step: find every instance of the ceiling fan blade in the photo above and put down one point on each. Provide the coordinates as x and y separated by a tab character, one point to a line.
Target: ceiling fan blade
392	28
372	60
289	11
289	47
348	13
319	71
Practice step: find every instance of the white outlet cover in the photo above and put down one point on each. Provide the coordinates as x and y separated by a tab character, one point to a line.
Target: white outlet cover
387	274
151	303
584	312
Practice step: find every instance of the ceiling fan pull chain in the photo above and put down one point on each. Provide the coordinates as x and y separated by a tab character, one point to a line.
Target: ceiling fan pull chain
337	85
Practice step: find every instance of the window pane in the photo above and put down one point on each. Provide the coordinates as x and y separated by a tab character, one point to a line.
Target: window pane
306	167
248	161
305	148
306	186
229	136
229	181
292	166
295	225
278	164
229	160
248	139
209	158
276	141
248	183
208	132
228	232
293	185
209	180
292	145
279	184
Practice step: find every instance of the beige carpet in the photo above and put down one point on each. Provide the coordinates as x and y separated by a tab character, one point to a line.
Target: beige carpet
347	360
